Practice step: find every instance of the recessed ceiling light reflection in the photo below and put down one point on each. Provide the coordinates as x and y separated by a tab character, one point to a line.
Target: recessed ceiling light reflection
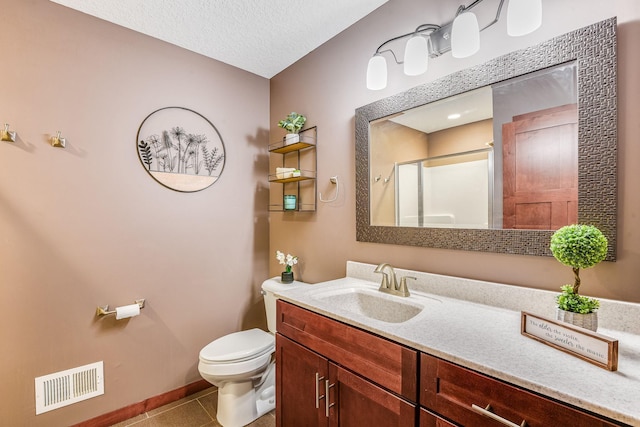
453	116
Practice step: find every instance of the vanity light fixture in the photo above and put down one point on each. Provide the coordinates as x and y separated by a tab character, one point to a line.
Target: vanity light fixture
377	73
465	35
416	60
461	36
523	17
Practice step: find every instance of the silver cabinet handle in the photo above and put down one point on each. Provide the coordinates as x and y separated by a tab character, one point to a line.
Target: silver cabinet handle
318	397
327	405
486	412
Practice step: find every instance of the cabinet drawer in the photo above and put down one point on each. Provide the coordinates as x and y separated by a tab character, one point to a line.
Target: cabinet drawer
451	390
386	363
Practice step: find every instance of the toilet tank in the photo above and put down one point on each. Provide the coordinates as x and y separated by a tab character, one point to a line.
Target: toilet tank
269	288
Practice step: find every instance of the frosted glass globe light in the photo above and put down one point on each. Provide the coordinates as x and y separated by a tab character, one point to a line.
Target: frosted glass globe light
377	73
465	35
523	17
416	56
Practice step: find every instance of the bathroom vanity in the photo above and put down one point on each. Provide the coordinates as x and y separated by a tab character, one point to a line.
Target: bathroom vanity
355	378
441	357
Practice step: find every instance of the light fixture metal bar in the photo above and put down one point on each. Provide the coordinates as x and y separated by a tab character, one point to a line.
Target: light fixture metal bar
440	35
497	17
419	30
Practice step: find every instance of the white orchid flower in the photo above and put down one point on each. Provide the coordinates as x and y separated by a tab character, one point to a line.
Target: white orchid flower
288	260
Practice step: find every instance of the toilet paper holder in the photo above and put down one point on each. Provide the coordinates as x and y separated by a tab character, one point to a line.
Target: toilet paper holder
103	310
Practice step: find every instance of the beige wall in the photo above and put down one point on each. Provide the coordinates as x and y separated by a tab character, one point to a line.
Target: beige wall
87	225
472	136
329	84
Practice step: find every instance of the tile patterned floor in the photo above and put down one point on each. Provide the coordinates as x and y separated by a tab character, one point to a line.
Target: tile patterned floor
197	410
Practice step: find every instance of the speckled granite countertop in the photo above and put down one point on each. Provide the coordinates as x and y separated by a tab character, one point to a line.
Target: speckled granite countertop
477	324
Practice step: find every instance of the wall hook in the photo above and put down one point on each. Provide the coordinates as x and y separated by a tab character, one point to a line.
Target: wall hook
333	180
7	135
58	141
387	179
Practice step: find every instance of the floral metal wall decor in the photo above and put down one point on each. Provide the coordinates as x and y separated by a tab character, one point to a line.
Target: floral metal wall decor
180	149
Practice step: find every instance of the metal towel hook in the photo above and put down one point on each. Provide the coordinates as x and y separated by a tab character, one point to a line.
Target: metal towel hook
334	180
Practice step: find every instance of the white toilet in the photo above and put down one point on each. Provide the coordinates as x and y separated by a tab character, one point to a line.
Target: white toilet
242	367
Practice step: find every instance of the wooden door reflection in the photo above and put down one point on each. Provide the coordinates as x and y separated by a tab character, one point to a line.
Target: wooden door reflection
540	166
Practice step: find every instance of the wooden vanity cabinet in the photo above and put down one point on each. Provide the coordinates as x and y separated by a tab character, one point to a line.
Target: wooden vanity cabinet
332	374
469	398
329	373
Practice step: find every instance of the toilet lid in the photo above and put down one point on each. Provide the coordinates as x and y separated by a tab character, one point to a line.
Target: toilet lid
238	346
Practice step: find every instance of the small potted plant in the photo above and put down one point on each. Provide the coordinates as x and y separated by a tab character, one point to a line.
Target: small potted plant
293	124
578	246
288	261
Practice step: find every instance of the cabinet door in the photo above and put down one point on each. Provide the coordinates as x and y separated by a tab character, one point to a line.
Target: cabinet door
356	402
300	385
428	419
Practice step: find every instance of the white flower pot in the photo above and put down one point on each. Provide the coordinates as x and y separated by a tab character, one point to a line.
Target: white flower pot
587	321
291	138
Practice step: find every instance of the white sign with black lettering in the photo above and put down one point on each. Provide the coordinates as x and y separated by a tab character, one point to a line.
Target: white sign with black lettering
593	347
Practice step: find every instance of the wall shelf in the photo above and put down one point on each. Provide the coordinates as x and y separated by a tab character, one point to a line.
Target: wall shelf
304	175
281	147
301	156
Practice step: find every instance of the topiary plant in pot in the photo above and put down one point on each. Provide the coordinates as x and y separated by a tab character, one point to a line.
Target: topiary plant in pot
578	246
293	124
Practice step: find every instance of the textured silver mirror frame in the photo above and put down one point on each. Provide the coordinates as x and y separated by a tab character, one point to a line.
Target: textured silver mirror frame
594	49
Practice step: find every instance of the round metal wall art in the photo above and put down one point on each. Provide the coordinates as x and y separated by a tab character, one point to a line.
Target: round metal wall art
180	149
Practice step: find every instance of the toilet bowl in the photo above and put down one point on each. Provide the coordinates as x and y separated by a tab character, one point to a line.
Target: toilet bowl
241	365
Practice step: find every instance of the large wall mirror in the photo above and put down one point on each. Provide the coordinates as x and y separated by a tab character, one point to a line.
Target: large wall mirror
496	157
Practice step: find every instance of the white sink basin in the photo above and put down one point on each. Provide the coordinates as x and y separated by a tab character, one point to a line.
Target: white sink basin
371	303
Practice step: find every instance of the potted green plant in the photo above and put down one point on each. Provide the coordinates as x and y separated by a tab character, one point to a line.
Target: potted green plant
292	124
578	246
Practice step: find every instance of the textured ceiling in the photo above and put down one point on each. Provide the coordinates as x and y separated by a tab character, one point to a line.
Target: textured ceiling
260	36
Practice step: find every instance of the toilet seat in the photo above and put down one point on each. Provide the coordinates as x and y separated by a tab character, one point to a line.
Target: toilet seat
238	347
242	353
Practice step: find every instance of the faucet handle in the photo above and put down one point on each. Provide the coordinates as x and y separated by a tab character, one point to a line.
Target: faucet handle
385	280
404	290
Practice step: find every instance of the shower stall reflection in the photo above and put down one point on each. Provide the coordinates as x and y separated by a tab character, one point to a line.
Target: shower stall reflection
453	190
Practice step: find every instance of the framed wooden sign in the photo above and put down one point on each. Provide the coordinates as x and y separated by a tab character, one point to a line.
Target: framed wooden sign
592	347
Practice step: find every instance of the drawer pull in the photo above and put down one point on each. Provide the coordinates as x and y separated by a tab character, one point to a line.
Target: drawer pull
327	405
318	396
487	413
